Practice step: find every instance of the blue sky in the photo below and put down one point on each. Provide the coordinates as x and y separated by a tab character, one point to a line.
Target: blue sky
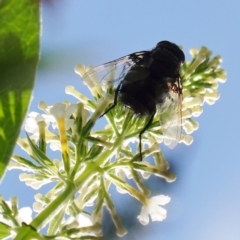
205	198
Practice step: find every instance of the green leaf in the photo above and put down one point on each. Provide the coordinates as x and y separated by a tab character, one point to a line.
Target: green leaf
19	54
5	230
41	158
27	232
27	164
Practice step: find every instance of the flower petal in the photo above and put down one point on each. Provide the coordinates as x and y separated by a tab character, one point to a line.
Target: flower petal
160	200
143	216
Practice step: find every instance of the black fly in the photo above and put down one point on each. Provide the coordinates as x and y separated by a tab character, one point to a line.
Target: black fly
148	82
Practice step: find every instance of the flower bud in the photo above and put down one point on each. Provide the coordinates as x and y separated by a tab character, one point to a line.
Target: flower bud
186	94
193	52
186	139
221	76
80	69
214	95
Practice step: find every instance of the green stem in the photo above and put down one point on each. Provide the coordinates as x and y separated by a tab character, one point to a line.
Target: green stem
55	206
58	203
103	158
78	152
113	125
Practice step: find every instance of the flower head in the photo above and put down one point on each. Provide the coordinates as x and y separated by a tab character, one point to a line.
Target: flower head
152	208
93	159
62	111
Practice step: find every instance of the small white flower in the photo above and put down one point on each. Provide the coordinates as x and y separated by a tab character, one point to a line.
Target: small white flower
102	103
193	52
84	220
32	181
81	220
186	113
190	125
82	98
197	111
31	124
186	94
222	76
61	110
80	69
153	209
190	103
214	95
186	139
24	215
200	58
91	80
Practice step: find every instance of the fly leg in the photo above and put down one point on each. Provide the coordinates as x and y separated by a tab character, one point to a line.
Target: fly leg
142	131
114	101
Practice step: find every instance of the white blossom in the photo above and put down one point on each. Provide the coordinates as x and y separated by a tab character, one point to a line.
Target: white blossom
81	220
153	209
61	110
31	123
24	215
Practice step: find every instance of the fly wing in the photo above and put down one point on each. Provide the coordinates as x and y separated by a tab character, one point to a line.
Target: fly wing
112	73
170	115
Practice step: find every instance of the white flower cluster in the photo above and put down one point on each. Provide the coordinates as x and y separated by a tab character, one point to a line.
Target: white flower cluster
200	79
92	160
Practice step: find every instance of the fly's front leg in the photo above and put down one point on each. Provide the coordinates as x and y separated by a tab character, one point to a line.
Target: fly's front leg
142	131
114	101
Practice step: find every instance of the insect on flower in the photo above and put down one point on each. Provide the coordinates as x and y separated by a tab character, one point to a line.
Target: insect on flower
148	82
